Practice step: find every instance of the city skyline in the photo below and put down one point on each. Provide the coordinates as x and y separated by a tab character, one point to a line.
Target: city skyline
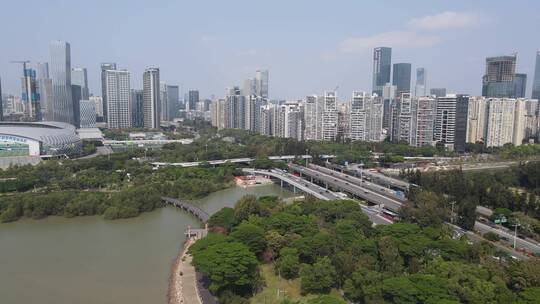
300	61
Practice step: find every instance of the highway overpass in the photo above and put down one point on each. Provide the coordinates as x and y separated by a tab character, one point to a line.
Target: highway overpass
317	191
346	186
235	160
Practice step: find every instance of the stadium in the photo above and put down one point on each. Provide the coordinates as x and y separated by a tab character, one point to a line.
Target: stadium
38	139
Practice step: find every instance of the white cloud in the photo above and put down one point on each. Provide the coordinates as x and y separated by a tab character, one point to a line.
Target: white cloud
445	20
399	39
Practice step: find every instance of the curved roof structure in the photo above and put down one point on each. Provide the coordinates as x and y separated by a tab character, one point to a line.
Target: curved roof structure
55	137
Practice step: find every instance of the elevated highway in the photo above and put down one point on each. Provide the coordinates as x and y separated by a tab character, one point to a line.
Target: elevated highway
346	186
318	192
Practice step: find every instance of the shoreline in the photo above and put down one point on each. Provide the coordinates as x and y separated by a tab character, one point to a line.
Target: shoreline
173	294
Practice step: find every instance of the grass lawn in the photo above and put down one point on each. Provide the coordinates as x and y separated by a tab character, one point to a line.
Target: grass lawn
288	289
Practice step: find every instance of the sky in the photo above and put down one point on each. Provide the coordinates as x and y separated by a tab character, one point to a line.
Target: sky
308	46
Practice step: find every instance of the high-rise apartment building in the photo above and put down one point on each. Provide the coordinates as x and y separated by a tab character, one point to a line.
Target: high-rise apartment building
288	121
98	105
401	78
105	67
151	99
163	98
500	125
365	117
536	79
421	82
426	111
312	108
235	109
330	117
532	120
382	65
499	78
79	77
403	119
388	95
61	108
520	120
137	108
118	90
451	121
477	119
261	83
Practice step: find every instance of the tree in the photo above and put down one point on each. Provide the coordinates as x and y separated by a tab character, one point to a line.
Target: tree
317	278
224	218
417	288
287	265
326	299
229	266
424	208
245	207
524	274
364	286
250	235
389	258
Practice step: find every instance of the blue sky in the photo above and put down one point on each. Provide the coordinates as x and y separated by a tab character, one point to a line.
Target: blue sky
308	45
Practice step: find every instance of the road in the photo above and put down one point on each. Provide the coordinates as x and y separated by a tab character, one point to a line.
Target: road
374	176
394	205
508	237
301	184
348	187
318	192
360	182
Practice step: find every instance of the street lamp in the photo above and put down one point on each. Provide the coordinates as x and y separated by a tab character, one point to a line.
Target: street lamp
452	212
515	232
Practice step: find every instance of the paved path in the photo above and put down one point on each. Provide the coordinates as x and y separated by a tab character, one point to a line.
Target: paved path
183	289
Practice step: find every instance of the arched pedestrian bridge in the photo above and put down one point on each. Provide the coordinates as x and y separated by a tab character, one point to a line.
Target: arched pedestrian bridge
188	207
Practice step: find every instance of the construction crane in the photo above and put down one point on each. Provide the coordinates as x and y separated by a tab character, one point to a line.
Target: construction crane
24	62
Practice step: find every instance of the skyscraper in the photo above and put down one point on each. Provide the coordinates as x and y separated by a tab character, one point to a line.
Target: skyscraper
329	116
88	114
520	85
249	87
30	95
79	77
499	78
477	119
164	116
388	95
401	78
382	64
62	108
98	101
500	125
173	103
235	109
45	90
403	119
536	80
365	117
137	108
451	121
261	83
426	110
193	99
151	98
105	67
437	92
117	89
76	96
421	79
